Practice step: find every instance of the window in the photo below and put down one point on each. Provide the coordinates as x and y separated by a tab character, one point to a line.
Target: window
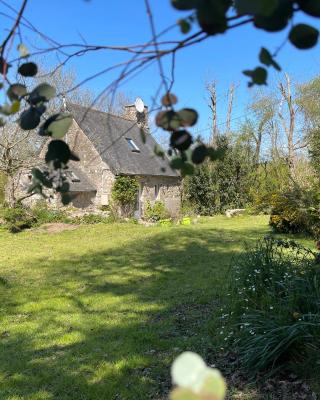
132	145
72	176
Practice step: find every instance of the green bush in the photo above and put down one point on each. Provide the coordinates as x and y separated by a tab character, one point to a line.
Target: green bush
225	183
296	211
124	194
156	212
273	317
90	219
17	218
44	215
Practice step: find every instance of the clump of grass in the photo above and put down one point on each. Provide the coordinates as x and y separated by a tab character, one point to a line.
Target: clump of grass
274	308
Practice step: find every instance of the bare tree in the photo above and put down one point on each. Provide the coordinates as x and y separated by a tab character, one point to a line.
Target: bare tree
230	108
262	110
64	79
18	152
295	141
212	90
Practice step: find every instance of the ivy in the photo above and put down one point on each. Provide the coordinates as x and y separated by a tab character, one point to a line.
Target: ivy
124	193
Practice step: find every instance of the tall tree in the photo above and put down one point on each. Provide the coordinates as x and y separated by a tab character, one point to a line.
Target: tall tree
308	100
288	114
262	113
212	90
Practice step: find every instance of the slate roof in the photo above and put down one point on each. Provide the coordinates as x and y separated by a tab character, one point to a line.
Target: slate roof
108	134
82	184
79	182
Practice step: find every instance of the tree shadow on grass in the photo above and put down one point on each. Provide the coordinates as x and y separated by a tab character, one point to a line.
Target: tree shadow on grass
107	324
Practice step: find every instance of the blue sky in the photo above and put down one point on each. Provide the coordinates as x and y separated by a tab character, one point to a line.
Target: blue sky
124	22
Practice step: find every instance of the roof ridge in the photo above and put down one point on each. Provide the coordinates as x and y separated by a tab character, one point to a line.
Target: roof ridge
100	111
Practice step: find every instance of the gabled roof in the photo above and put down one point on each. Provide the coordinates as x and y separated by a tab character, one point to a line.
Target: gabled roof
109	133
78	180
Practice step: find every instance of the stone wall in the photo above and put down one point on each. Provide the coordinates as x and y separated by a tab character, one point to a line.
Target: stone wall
161	188
91	163
83	199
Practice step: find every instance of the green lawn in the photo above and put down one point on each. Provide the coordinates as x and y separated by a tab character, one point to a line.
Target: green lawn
100	312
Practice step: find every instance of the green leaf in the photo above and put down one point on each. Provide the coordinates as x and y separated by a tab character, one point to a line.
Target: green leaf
64	188
15	106
4	66
258	76
267	59
158	151
216	154
303	36
188	117
199	154
2	122
16	91
56	126
311	7
65	198
278	20
187	169
42	93
28	69
9	109
185	4
169	99
58	153
29	119
176	163
185	26
212	16
181	140
214	385
168	120
24	52
183	394
256	7
74	157
39	177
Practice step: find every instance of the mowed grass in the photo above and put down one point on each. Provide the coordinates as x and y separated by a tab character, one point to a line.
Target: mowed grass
101	312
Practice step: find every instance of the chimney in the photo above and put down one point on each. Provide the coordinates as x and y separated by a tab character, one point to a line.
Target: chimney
141	118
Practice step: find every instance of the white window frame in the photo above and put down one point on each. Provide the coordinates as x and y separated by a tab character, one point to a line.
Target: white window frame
72	176
132	145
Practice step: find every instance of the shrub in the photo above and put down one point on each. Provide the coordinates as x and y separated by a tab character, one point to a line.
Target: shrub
156	212
17	218
274	310
124	194
225	183
90	219
296	211
44	215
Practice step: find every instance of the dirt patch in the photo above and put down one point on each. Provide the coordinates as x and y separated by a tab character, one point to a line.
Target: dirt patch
283	386
56	227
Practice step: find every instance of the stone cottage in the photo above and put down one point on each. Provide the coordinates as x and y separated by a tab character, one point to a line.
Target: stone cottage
109	146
